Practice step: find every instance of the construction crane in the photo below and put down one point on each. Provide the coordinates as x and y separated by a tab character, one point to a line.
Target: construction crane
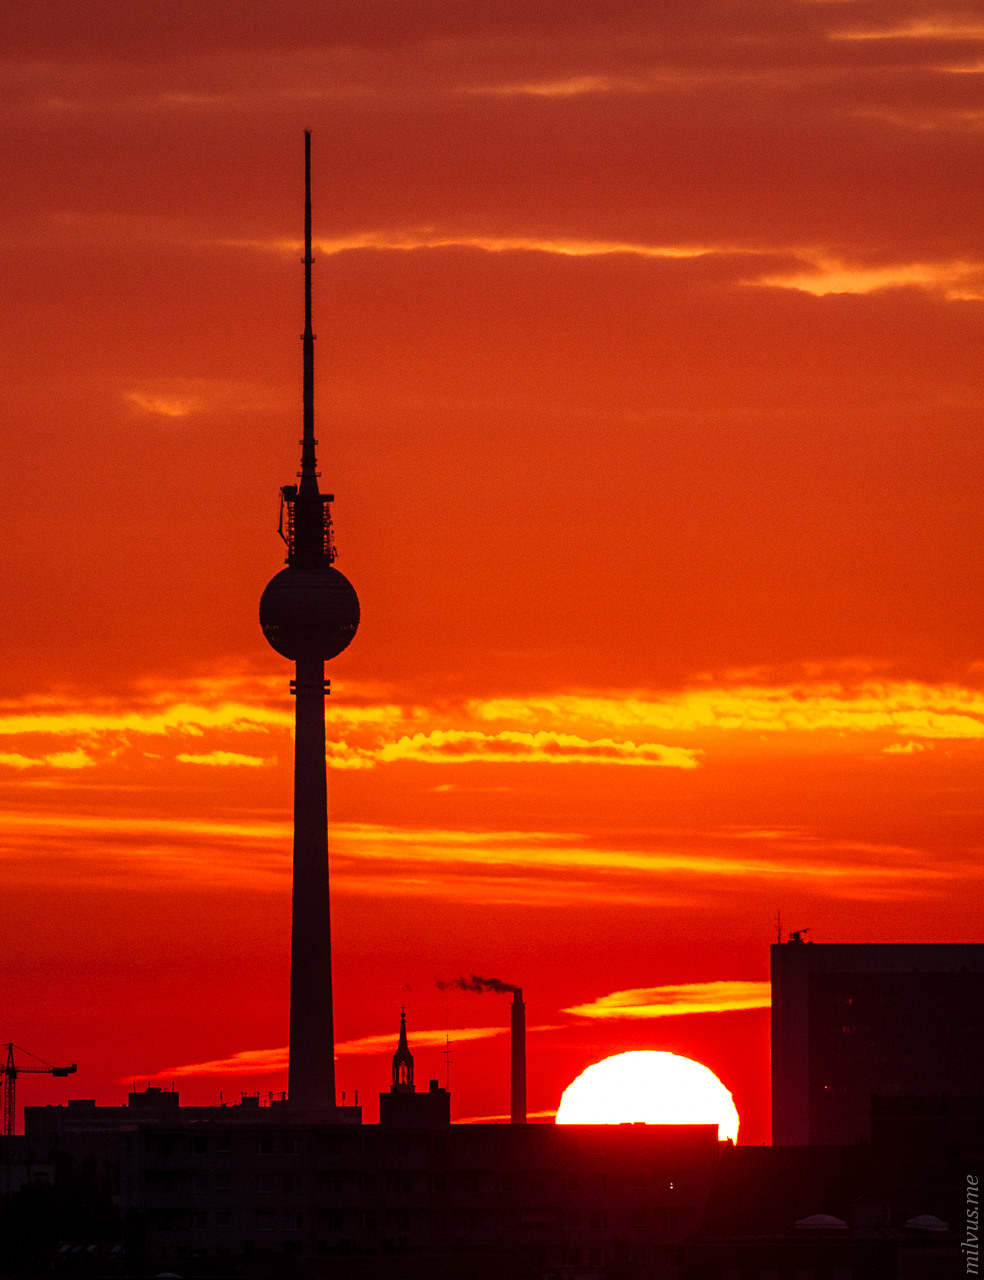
12	1070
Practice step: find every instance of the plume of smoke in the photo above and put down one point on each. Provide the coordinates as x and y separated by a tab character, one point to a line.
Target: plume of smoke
477	984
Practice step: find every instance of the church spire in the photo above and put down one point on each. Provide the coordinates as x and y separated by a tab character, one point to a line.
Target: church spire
403	1061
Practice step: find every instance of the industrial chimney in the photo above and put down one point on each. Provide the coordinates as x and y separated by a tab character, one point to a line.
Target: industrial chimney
517	1084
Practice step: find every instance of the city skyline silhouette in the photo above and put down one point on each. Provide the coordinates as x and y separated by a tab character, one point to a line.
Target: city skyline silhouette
650	362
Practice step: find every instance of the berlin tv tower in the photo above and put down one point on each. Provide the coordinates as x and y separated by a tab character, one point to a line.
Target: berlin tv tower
309	613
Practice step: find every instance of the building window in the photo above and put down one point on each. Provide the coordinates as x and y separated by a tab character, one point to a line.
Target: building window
198	1145
598	1220
265	1145
266	1182
223	1145
290	1146
223	1218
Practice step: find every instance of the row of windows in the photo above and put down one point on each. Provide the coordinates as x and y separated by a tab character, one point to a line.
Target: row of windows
200	1144
294	1220
266	1143
472	1181
337	1184
773	1273
441	1222
222	1219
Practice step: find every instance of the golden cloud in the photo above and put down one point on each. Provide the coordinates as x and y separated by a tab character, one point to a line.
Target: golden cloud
456	746
937	28
163	406
78	759
900	708
410	239
224	758
673	1001
956	281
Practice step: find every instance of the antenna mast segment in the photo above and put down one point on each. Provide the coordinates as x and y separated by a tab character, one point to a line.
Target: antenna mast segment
305	512
309	465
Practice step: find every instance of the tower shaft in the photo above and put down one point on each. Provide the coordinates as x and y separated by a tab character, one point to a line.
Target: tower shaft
311	1074
309	613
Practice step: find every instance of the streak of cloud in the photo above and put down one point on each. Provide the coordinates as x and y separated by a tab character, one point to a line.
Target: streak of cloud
956	281
935	28
675	1001
78	759
250	1062
223	759
867	706
412	239
532	868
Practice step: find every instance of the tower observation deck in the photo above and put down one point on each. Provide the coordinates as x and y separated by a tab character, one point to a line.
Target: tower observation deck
309	613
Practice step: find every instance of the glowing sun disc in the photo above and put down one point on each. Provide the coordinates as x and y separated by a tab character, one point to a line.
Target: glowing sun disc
650	1087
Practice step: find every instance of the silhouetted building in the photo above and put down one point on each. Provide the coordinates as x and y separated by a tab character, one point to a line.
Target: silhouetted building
530	1200
852	1020
403	1107
823	1213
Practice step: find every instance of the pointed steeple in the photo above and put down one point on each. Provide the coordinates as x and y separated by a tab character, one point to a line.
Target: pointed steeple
402	1061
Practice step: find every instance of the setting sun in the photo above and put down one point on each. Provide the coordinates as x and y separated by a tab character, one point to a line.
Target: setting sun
649	1087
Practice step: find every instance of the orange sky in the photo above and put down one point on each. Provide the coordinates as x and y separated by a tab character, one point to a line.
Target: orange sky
649	385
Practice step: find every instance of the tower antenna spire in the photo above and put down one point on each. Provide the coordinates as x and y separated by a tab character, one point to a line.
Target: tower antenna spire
309	612
309	465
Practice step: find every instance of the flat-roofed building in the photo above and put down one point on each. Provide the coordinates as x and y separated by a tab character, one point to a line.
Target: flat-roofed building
854	1020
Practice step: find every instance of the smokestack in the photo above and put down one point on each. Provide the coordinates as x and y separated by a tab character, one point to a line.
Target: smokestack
517	1083
517	1023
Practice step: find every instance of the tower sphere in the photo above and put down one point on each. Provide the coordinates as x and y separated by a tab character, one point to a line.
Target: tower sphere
309	613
